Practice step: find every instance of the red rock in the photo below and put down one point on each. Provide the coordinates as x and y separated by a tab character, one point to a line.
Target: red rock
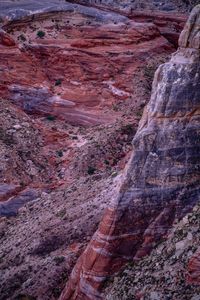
6	39
194	269
94	63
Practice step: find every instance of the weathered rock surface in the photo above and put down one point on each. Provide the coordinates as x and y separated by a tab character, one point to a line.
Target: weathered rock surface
23	160
129	5
40	245
164	273
5	39
86	78
91	66
69	64
194	268
87	69
161	181
7	190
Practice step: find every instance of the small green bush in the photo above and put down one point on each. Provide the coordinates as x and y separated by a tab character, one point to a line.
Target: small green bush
51	118
91	170
59	260
40	34
106	162
58	82
60	153
74	137
128	129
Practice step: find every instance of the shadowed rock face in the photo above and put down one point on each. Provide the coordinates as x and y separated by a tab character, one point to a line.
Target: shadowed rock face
161	181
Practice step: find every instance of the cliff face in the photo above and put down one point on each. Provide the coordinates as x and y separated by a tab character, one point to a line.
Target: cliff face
65	63
161	181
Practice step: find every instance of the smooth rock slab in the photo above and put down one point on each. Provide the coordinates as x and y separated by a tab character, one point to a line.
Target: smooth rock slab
7	190
10	207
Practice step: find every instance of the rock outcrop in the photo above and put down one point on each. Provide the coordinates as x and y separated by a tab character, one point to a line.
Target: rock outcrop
161	181
164	274
6	40
89	68
194	268
129	5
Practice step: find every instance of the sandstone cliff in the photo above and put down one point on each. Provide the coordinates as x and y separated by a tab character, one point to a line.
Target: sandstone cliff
63	64
161	181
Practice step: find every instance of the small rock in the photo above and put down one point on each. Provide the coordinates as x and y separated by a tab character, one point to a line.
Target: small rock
189	236
180	245
17	126
196	297
155	296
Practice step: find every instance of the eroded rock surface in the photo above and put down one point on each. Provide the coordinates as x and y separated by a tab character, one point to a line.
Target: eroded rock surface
129	5
5	39
89	68
161	181
68	64
165	272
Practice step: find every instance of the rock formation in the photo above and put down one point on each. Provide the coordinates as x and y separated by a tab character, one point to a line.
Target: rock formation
161	181
194	269
5	39
90	67
64	65
165	273
129	5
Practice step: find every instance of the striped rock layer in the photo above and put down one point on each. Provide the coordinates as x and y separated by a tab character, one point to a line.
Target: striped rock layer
161	180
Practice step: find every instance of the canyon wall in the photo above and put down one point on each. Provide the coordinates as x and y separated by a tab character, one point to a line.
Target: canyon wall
89	68
161	181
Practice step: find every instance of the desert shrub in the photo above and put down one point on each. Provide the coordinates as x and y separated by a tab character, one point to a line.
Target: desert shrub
24	297
91	170
6	138
128	129
60	153
51	118
48	245
40	34
106	162
22	37
59	260
191	3
149	71
58	82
